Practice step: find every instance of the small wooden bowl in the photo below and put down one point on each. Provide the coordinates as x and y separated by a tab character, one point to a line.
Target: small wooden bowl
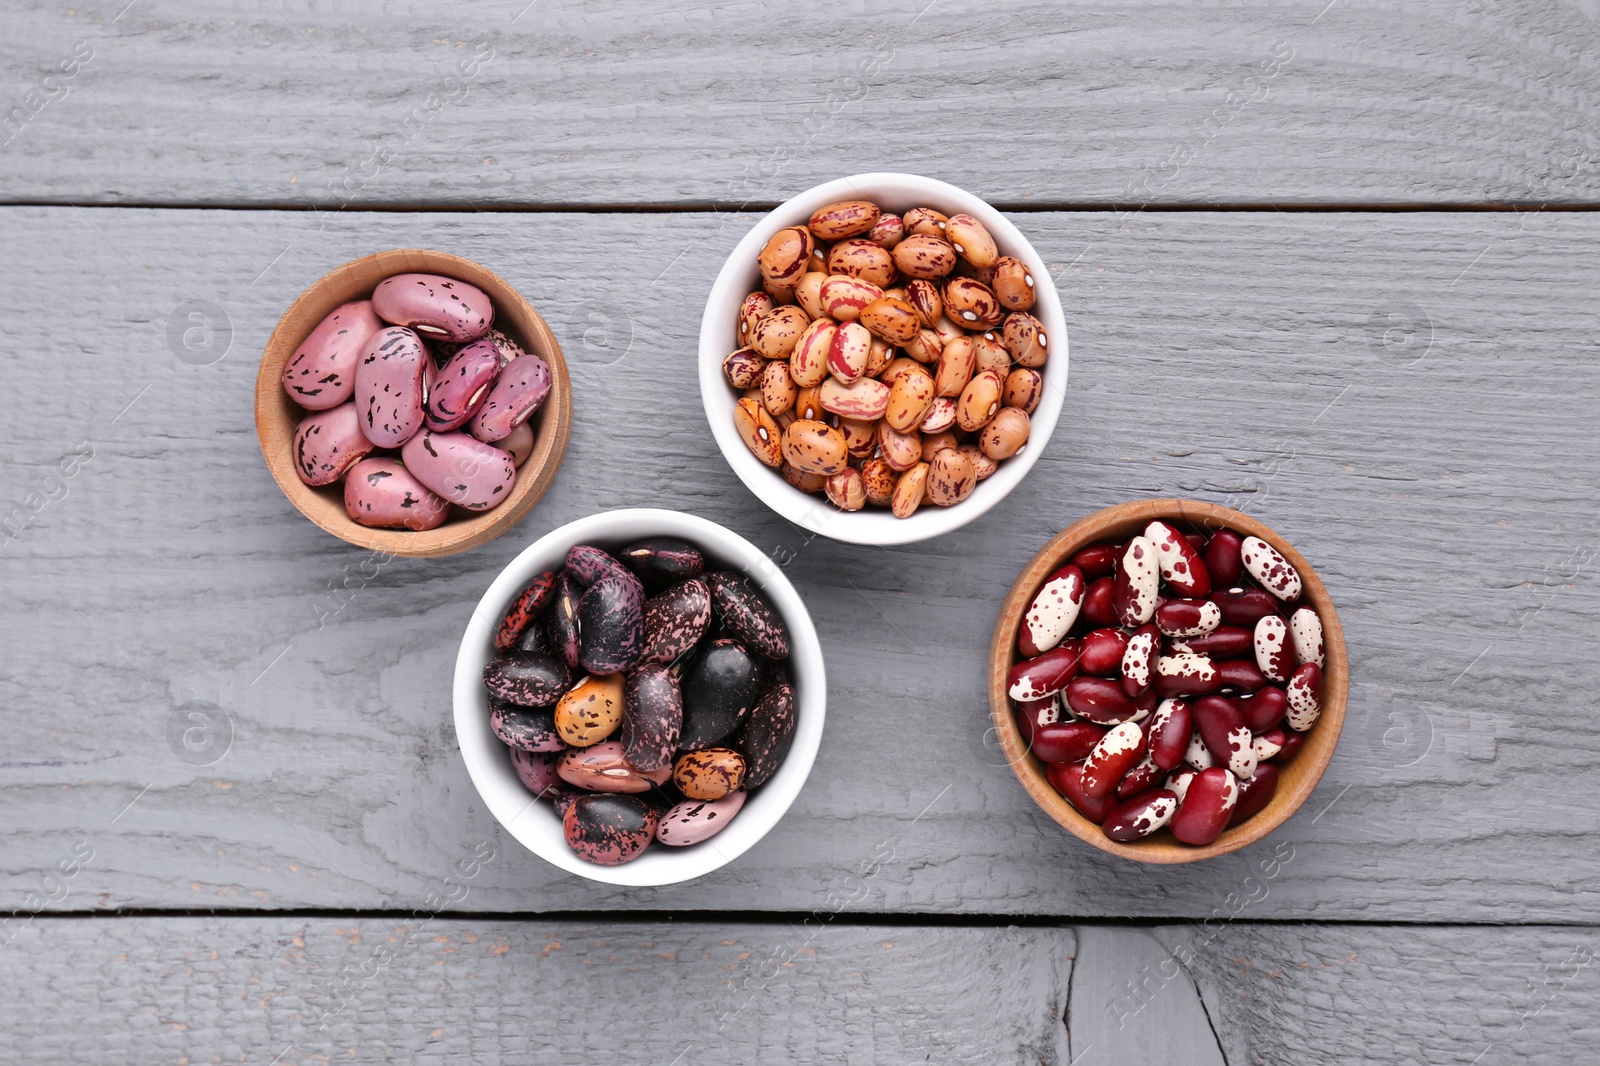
277	416
1299	776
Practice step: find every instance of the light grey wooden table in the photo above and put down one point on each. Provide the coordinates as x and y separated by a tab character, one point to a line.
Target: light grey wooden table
1332	263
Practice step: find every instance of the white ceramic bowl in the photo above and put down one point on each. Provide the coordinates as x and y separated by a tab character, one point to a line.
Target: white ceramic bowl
534	823
739	277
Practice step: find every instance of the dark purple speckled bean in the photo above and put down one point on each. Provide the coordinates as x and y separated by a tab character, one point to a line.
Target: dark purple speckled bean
675	621
747	616
524	608
438	308
719	688
526	680
765	739
322	371
517	393
460	385
609	828
588	564
564	618
662	560
392	386
652	716
528	728
611	624
328	443
537	771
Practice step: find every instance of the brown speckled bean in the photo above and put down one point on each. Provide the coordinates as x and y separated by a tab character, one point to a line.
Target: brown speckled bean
778	390
908	491
971	303
1024	387
758	431
744	368
847	218
925	221
1025	339
951	478
924	257
815	448
909	400
979	402
862	259
787	254
775	334
709	774
877	482
1005	435
751	310
846	491
1013	284
971	240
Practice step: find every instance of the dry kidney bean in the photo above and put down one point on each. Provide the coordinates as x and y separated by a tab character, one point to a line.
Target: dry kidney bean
1052	612
1270	569
1273	655
1207	806
631	738
1138	579
1066	741
1254	794
1222	557
840	299
1140	816
1169	732
1225	709
1103	650
1036	678
1067	779
1100	701
1116	753
322	372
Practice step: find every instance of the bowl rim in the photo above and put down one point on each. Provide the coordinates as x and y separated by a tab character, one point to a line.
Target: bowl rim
274	409
1308	765
732	284
534	824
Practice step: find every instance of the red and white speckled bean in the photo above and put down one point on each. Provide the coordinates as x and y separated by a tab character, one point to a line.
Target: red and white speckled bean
1036	678
1138	581
1272	648
1197	754
1052	612
1306	629
1100	700
1226	736
1186	674
1181	566
1270	569
1305	701
1266	747
1178	782
1206	807
1140	816
1117	753
1141	779
1188	618
1138	664
1168	733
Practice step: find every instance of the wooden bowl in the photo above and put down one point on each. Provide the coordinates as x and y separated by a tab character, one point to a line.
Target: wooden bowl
277	415
1299	776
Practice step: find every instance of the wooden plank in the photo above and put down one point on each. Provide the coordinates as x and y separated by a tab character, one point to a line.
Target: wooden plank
1444	490
1122	101
416	988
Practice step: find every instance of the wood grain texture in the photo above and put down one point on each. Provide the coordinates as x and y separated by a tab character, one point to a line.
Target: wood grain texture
1121	101
1404	398
434	990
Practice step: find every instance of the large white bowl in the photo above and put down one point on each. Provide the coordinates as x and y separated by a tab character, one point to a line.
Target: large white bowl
534	823
739	277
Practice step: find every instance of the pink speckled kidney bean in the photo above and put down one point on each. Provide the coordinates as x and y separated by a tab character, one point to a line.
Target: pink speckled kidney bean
537	771
439	308
465	471
460	385
322	371
391	386
1272	648
516	394
328	443
383	494
692	821
1052	612
519	445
